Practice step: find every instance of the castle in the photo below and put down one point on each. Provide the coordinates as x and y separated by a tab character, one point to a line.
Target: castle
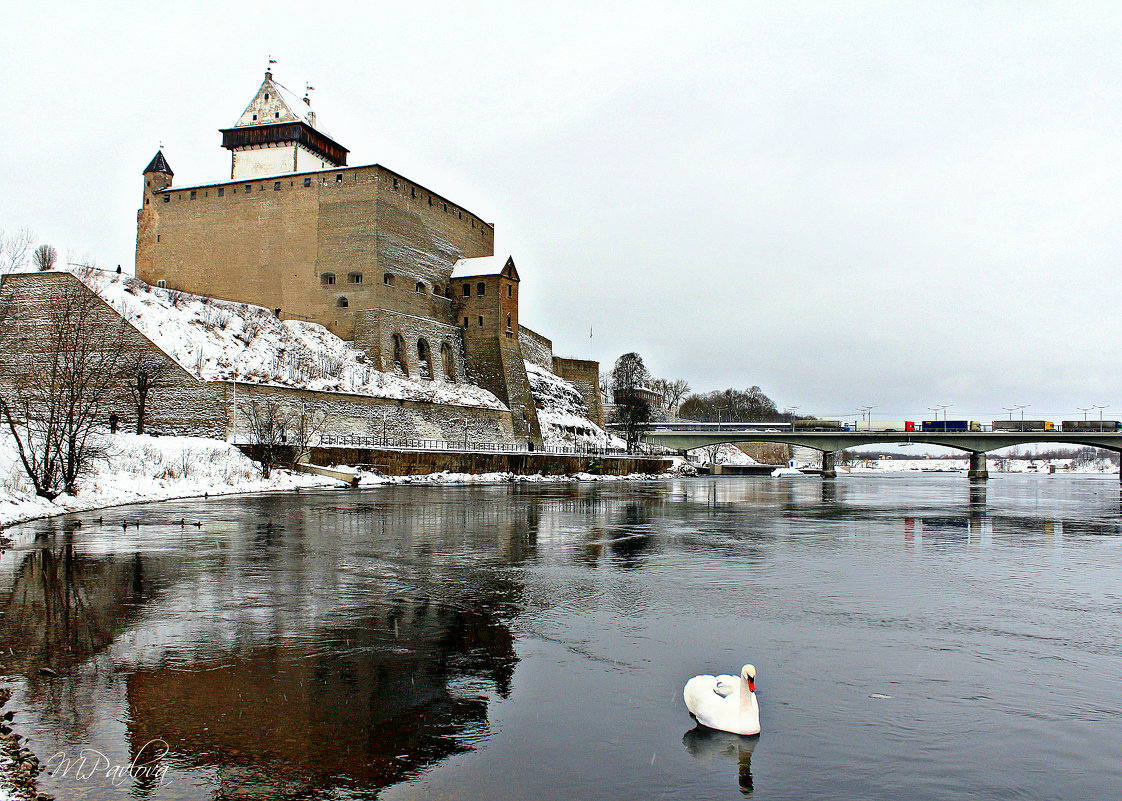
406	274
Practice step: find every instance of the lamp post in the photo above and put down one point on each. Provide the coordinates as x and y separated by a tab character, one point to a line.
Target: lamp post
1100	408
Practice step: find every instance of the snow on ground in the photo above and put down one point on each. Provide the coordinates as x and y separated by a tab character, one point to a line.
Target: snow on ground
210	338
727	453
993	465
142	468
563	414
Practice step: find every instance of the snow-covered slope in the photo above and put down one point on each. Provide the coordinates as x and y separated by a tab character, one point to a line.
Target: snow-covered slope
210	338
562	413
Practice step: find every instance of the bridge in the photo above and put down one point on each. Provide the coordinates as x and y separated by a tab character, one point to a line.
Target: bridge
687	436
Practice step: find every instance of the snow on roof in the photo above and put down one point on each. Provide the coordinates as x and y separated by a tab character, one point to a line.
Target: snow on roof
481	265
212	338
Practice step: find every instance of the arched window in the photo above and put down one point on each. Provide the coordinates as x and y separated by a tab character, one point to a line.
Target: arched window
420	286
448	361
481	289
508	328
424	359
399	365
341	303
387	279
436	289
355	278
327	279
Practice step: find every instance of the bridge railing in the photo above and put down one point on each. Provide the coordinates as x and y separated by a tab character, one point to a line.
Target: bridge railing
410	443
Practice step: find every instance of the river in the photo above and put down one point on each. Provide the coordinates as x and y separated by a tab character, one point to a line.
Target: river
914	637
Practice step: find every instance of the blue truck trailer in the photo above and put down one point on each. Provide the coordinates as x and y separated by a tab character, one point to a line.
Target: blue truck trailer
951	425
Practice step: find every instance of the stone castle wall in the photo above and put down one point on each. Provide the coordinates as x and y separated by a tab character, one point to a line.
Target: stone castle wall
585	376
274	242
374	332
535	348
184	405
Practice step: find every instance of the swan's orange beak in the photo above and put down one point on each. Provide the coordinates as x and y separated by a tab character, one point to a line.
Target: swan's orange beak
751	685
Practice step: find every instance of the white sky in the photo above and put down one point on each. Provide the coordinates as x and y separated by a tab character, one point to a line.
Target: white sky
899	204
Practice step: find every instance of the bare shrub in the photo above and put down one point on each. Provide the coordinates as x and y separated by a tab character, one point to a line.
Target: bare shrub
56	378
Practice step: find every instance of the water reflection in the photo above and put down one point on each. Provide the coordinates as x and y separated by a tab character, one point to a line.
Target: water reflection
364	705
710	745
337	644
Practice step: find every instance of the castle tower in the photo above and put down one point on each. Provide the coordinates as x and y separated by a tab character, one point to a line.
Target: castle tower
277	134
486	291
157	177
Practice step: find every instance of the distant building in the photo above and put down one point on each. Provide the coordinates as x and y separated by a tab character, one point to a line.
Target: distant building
408	275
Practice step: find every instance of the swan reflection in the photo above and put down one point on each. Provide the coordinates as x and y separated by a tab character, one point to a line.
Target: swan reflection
709	745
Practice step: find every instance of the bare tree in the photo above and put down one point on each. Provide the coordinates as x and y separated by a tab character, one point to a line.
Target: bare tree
670	392
14	248
267	428
632	409
57	372
45	257
307	427
142	373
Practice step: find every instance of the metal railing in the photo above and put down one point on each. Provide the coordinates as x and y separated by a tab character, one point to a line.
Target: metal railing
408	443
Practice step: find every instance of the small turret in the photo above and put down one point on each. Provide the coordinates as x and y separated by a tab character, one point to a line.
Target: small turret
157	175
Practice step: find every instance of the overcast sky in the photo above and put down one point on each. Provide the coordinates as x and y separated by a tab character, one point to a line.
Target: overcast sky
895	204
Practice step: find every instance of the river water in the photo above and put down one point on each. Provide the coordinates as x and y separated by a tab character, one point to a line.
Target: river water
914	638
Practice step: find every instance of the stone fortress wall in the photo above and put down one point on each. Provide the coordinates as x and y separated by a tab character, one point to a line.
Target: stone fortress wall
186	406
362	250
305	243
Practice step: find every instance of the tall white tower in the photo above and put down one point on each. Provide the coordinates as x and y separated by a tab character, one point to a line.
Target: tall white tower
277	134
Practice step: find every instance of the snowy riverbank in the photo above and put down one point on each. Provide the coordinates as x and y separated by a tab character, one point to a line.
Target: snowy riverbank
139	469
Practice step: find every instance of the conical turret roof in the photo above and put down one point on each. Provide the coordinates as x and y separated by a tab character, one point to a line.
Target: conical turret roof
158	164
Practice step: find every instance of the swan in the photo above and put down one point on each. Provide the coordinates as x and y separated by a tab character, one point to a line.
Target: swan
726	703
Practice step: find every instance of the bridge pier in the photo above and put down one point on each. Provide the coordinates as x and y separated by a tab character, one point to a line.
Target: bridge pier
828	467
978	466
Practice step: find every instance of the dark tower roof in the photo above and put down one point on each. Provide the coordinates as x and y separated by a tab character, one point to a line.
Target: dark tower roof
158	164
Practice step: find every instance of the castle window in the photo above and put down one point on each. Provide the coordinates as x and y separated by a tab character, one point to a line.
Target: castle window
460	214
221	191
448	362
510	290
395	183
465	322
266	95
430	200
446	207
481	289
355	278
399	365
254	116
424	359
413	191
436	289
420	287
167	198
157	237
248	188
467	290
342	303
339	178
276	185
508	328
327	279
194	194
481	321
276	116
472	222
387	279
162	283
308	181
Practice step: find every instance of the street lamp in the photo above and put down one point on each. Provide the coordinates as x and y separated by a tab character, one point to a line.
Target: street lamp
1022	407
1100	408
1085	409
